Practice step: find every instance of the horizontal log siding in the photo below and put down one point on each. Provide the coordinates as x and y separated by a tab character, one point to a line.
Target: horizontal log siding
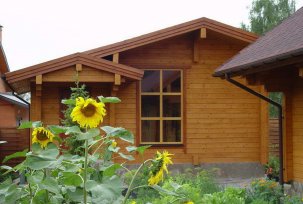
297	104
222	121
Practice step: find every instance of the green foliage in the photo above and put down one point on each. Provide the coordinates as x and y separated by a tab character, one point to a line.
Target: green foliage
229	195
273	167
265	190
277	97
73	145
266	14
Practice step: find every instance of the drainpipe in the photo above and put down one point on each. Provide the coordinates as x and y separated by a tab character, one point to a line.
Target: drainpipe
279	106
13	91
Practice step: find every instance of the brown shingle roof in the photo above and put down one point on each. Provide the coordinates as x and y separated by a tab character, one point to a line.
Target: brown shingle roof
283	42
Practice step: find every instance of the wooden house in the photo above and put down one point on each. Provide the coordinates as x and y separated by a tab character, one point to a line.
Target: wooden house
275	62
169	97
12	111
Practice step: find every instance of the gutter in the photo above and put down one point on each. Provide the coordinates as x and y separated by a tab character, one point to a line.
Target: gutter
279	106
13	91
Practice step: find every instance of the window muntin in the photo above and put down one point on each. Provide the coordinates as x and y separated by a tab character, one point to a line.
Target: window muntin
161	112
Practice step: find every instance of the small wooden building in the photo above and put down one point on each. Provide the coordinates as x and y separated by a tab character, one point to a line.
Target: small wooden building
169	97
12	111
275	61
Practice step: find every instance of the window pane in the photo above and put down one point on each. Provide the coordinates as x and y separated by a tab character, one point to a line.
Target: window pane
150	131
171	106
150	106
171	81
172	131
151	81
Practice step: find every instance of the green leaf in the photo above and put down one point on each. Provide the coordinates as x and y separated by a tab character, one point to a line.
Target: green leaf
142	149
5	185
75	195
15	155
113	149
40	158
128	157
50	184
131	148
13	194
73	129
40	197
30	124
69	101
110	170
107	192
122	133
71	179
164	191
35	178
91	133
56	129
109	99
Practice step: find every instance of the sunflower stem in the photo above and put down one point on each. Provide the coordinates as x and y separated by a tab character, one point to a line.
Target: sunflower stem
85	173
129	190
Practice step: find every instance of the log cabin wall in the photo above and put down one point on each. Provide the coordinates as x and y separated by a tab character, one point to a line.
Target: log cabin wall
221	122
297	128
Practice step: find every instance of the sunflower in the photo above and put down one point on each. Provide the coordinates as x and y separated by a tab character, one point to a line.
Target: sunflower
189	202
158	167
42	136
88	113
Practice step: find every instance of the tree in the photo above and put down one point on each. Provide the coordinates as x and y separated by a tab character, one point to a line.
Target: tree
266	14
263	16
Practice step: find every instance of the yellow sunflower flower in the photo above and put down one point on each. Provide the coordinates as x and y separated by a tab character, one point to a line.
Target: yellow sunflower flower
158	167
114	144
42	136
189	202
88	113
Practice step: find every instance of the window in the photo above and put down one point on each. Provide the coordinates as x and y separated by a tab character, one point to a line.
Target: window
161	107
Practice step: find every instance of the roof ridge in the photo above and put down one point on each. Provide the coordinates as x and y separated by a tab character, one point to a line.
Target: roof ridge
166	33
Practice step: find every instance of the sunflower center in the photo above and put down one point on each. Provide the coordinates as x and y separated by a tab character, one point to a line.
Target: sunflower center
41	136
89	110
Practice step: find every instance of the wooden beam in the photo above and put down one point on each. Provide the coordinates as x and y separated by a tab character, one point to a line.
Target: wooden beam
203	33
264	127
112	109
39	79
117	79
116	58
301	72
78	67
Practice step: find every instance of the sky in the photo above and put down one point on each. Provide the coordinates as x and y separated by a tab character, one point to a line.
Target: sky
36	31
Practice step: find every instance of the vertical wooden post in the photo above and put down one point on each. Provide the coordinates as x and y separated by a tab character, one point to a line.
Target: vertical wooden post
287	133
115	88
38	111
264	128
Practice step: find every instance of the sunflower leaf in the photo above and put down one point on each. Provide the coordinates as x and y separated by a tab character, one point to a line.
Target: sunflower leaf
109	99
71	179
122	133
15	155
164	191
69	101
30	124
91	133
128	157
73	129
56	129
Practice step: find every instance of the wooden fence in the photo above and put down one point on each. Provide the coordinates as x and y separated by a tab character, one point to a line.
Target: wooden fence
17	140
274	136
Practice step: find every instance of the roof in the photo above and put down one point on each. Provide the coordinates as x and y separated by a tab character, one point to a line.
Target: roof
277	47
13	99
93	58
77	58
171	32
